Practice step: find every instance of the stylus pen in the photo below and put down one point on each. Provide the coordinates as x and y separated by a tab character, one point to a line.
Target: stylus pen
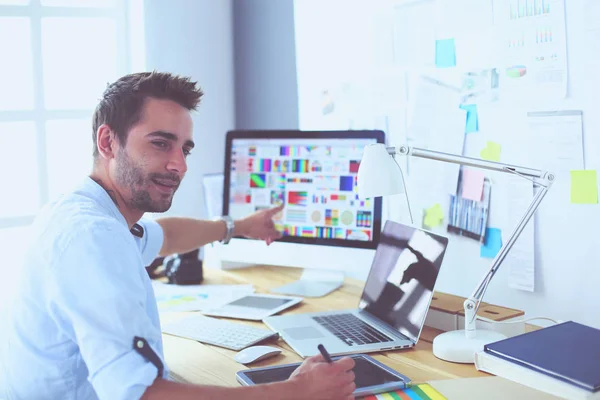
325	354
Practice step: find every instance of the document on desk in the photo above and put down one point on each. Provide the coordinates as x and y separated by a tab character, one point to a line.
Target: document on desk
196	297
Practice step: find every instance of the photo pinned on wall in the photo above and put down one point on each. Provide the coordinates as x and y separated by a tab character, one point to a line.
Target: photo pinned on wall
480	86
469	208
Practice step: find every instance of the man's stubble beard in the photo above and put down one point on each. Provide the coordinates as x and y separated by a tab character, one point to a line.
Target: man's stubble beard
132	176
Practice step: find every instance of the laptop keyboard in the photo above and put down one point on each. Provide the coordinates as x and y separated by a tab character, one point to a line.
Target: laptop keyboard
351	329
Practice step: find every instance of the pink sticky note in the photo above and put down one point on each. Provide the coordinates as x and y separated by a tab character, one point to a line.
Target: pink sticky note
472	184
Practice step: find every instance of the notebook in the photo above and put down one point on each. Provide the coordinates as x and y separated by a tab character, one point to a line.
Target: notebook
528	377
568	352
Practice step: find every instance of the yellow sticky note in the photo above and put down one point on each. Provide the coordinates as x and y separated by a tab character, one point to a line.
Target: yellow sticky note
584	187
434	216
491	152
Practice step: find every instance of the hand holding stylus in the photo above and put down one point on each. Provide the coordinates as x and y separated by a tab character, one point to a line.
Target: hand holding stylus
319	377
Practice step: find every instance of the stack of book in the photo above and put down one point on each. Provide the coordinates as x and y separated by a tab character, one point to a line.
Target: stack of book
563	360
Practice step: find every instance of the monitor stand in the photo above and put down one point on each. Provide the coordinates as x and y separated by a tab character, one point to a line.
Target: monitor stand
313	283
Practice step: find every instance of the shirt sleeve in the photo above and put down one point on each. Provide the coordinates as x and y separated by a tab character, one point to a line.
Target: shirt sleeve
98	296
152	241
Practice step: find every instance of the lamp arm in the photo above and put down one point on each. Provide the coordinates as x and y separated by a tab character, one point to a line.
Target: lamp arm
468	161
543	179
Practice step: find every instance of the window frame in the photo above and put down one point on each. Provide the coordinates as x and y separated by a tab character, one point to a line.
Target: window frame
130	56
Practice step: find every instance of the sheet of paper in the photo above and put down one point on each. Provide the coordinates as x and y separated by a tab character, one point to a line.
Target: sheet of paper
530	38
445	53
472	184
556	138
493	243
520	260
491	151
444	132
584	187
196	297
469	22
591	17
213	194
414	34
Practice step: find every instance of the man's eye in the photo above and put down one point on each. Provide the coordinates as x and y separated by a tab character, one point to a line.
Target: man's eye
159	144
187	152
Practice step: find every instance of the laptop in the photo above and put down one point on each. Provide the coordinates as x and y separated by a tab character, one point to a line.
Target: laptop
392	308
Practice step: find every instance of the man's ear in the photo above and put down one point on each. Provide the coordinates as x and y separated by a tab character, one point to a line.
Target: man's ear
106	141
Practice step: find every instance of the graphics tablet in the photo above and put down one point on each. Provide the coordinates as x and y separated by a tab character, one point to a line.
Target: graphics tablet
254	306
372	377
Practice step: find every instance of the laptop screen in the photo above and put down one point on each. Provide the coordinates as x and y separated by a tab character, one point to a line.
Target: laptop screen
402	277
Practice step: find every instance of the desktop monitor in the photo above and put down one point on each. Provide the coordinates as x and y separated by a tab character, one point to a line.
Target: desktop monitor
324	223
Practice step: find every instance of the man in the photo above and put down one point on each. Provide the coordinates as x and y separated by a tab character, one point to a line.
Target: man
84	294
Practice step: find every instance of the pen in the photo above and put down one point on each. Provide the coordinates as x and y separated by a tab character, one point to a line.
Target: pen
325	354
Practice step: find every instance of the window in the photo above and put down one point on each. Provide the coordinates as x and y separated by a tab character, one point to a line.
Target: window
60	56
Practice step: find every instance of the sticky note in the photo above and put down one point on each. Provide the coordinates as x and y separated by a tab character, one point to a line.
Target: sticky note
472	184
434	216
445	53
472	118
584	187
493	243
491	152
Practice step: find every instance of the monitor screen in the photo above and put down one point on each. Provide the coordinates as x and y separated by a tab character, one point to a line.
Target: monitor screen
313	174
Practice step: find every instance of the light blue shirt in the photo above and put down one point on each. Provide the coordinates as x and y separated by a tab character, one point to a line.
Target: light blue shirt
83	294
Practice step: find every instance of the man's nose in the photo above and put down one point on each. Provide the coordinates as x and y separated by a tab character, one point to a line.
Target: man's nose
177	162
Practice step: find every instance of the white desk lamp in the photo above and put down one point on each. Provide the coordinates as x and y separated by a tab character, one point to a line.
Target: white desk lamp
379	175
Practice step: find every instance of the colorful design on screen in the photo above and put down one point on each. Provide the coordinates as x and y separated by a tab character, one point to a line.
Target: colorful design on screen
300	231
324	232
258	180
276	197
331	217
297	198
264	165
346	183
364	219
358	234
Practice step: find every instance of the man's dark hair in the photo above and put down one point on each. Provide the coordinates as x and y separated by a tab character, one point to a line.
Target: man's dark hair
122	101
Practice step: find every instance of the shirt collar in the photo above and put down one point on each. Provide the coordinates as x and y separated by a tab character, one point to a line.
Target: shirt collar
99	194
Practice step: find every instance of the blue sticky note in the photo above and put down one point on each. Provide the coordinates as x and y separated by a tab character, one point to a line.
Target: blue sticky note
493	243
445	53
472	118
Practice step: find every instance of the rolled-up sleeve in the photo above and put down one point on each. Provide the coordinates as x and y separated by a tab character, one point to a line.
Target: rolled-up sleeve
152	241
99	297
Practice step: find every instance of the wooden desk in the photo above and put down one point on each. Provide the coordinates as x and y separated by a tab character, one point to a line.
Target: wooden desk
198	363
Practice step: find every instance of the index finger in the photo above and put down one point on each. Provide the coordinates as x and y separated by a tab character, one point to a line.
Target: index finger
275	210
344	363
315	359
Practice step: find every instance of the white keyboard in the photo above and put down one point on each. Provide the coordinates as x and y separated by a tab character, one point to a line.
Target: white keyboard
231	335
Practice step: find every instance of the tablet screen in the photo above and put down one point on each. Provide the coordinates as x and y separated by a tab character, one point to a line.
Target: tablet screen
266	303
367	374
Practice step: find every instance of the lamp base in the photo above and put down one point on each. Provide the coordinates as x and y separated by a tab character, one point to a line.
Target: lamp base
454	346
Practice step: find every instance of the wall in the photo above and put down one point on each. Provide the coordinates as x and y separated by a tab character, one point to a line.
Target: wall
266	92
195	38
567	260
566	250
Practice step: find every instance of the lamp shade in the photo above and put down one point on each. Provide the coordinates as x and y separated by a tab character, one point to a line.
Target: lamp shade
378	173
